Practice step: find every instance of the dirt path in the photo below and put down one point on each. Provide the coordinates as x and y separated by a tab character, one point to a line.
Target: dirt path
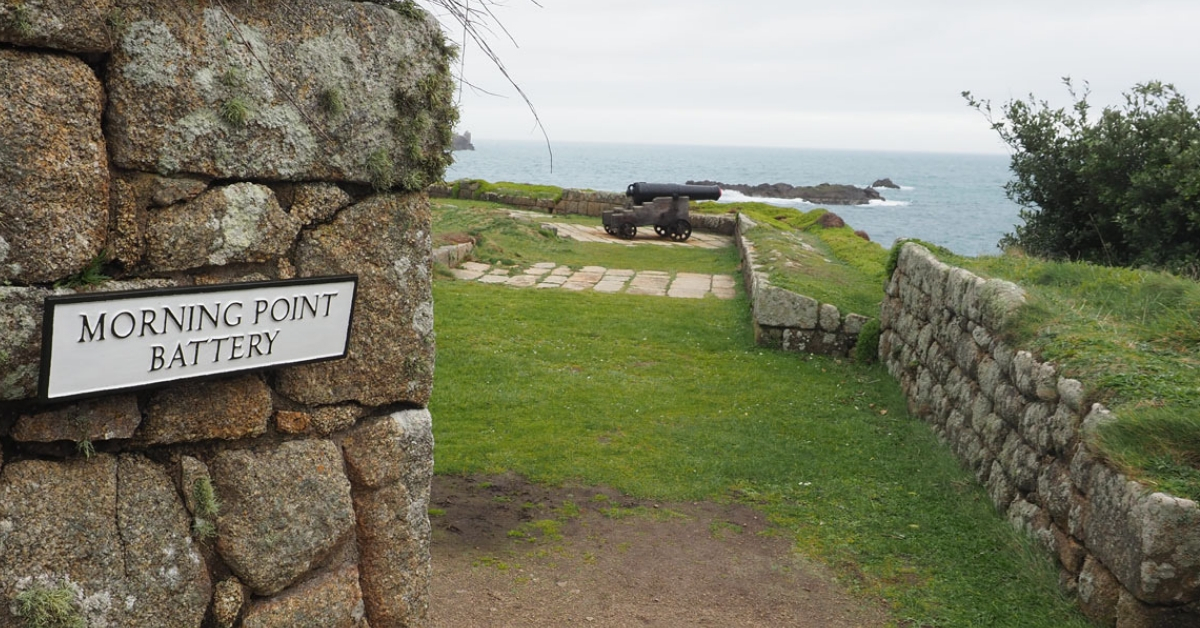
510	553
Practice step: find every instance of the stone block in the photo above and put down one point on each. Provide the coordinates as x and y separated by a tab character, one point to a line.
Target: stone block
243	91
1020	463
1098	593
393	541
52	158
1132	613
776	307
105	418
20	341
111	529
79	27
394	448
333	600
394	301
315	203
1054	491
239	223
830	319
265	539
229	596
194	411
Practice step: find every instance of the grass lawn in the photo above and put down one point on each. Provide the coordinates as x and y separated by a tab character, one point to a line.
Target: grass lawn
670	399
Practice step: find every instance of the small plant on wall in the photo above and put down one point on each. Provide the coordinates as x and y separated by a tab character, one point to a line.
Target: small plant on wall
43	606
207	508
236	111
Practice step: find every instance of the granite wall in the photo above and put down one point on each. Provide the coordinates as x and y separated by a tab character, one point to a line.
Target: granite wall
789	321
1132	555
172	143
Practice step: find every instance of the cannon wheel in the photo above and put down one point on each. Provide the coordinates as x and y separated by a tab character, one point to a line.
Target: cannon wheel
661	231
628	230
609	230
681	230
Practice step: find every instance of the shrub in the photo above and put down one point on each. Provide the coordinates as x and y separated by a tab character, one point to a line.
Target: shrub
1121	188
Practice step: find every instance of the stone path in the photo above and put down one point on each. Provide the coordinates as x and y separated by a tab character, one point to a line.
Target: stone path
600	279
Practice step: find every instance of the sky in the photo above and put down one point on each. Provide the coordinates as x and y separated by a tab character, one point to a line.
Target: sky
841	74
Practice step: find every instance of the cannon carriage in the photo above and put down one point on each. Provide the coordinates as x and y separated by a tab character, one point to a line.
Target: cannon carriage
667	211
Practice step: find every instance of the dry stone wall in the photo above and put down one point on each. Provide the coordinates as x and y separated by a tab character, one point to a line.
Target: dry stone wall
789	321
1130	554
176	143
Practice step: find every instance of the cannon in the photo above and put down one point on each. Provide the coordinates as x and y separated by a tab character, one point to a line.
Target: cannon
668	211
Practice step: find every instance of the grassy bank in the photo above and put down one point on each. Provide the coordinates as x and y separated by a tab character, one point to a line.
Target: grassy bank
1133	338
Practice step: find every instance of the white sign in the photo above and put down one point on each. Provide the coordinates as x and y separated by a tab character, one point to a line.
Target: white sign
101	342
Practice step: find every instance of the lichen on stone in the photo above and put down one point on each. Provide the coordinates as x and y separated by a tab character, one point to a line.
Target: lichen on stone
155	57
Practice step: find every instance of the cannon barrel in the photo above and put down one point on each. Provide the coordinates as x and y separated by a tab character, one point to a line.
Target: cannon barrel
641	191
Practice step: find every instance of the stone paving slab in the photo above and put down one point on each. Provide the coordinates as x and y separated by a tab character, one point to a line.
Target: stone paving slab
600	279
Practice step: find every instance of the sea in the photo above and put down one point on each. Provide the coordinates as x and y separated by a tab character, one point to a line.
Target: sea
953	200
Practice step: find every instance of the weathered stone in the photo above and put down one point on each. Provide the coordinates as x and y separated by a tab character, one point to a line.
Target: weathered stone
114	532
776	307
1063	426
191	472
168	584
232	224
853	324
193	411
1020	462
70	26
386	450
830	319
53	166
394	302
999	487
20	341
1071	393
317	202
1035	426
106	418
1071	553
167	191
60	520
129	196
1054	490
327	420
1023	366
338	91
1132	613
264	538
1098	593
330	601
1010	404
1045	382
393	540
291	422
999	301
228	598
990	376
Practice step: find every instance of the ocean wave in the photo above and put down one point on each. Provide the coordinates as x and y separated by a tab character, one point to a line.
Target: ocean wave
733	196
889	203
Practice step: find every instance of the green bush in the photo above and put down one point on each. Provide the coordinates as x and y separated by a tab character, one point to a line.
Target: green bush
866	350
1121	188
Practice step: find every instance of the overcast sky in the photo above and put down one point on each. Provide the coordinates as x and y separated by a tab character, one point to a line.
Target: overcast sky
852	74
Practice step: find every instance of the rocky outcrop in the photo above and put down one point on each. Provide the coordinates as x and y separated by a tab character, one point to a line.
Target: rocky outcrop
823	194
462	142
885	183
